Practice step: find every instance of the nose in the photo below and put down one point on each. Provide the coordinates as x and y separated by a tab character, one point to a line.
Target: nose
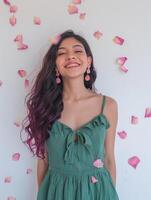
70	56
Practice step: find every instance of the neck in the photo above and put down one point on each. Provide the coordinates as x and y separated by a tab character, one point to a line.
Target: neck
74	89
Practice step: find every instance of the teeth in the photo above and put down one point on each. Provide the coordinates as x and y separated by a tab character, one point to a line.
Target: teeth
72	65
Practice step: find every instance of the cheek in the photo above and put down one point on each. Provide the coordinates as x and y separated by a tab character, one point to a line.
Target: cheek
85	62
59	61
83	58
60	65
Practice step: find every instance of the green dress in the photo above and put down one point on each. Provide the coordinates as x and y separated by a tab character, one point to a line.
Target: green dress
76	164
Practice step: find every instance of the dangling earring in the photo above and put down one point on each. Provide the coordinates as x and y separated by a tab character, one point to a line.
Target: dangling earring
58	80
87	77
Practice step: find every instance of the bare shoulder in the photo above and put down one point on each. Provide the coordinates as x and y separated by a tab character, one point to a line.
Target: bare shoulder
111	102
111	110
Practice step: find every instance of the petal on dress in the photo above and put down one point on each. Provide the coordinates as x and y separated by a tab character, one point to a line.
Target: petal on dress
93	179
98	163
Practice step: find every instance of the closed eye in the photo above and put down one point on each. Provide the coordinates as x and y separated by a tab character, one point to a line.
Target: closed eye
59	54
79	51
76	51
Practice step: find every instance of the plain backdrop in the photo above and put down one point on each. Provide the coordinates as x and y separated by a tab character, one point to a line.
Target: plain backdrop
125	18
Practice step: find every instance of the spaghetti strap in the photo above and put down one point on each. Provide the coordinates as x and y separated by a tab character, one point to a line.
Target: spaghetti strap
103	104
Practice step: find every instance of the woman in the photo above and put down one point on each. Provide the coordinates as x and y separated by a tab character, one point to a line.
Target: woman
71	128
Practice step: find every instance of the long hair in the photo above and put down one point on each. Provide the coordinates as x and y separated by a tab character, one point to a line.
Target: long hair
45	100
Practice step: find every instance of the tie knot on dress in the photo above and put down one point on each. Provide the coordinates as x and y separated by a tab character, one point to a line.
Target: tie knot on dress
79	139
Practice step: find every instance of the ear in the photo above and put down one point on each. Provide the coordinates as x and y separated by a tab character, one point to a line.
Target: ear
89	60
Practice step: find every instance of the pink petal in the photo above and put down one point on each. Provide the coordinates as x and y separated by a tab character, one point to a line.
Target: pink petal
122	134
22	46
134	120
1	83
148	112
97	34
6	2
17	123
16	156
37	20
55	40
11	198
19	38
118	40
72	9
29	171
8	179
93	179
98	163
76	1
13	9
121	60
82	15
12	20
133	161
22	73
123	68
26	83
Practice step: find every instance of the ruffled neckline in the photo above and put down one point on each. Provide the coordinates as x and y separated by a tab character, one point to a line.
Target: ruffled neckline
95	121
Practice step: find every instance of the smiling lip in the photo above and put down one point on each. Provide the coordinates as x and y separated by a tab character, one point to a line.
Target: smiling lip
71	65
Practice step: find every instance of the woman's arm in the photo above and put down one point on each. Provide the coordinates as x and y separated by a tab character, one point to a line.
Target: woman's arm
42	167
112	115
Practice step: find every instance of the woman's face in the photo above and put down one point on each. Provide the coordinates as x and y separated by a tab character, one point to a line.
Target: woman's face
72	59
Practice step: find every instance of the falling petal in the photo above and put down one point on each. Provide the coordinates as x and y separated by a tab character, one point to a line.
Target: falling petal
147	112
12	20
29	171
118	40
98	163
26	83
22	73
37	20
82	15
55	40
13	9
6	2
22	46
122	134
123	68
133	161
76	1
16	156
19	38
72	9
17	123
97	34
93	179
1	83
121	60
134	120
8	179
11	198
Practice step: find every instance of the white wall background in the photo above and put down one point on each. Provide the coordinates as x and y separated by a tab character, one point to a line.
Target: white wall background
125	18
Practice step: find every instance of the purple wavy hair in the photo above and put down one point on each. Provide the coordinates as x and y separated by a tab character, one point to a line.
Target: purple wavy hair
44	102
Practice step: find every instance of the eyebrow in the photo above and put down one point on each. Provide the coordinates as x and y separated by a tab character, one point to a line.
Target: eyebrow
76	45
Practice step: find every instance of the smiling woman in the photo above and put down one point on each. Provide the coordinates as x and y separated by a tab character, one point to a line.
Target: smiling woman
72	55
71	126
